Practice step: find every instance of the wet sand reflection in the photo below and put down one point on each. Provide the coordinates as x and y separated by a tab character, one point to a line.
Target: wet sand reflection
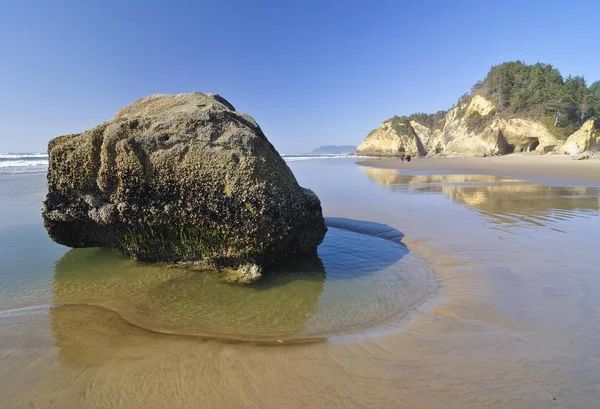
501	200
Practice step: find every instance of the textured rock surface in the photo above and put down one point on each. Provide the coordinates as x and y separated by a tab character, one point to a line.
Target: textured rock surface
470	128
468	131
395	137
524	135
180	178
587	138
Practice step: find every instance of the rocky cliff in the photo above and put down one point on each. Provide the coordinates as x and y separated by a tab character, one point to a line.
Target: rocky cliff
586	139
516	108
472	127
395	137
180	178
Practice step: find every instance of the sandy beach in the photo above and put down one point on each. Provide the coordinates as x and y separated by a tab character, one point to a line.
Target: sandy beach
208	205
503	263
547	169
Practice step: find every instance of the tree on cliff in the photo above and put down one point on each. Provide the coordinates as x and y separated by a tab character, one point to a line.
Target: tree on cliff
595	91
539	91
579	98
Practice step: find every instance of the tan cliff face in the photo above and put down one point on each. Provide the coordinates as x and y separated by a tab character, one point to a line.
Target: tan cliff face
463	133
471	128
587	138
395	137
527	135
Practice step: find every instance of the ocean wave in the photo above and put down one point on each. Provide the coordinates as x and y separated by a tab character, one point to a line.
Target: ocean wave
38	162
26	162
23	163
7	155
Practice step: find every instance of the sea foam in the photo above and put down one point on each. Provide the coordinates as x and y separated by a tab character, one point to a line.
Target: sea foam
23	162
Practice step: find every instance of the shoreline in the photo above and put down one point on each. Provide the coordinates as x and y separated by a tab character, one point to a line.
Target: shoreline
551	170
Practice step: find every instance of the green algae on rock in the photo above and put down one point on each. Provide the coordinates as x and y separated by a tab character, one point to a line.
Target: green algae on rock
180	178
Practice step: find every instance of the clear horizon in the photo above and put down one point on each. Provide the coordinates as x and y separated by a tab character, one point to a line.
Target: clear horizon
311	74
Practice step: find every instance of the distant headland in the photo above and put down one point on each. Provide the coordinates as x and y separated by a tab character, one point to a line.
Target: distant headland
334	150
516	108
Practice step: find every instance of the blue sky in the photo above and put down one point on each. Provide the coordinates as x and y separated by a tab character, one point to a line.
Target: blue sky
310	72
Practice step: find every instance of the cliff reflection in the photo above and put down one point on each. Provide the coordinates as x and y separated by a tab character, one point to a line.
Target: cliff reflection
500	199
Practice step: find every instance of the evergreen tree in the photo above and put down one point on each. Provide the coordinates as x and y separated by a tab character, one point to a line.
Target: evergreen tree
595	91
539	91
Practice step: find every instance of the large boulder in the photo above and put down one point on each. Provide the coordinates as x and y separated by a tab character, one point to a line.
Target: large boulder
180	178
587	138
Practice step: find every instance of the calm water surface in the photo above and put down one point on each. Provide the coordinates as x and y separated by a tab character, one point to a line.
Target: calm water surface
494	302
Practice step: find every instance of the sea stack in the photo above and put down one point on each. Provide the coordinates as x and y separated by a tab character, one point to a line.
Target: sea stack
180	178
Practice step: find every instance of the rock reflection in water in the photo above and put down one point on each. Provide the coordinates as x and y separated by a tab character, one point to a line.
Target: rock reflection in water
500	199
361	278
179	301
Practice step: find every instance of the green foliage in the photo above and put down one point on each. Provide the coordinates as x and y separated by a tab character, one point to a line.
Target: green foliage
398	123
475	122
558	131
595	90
540	92
431	121
462	105
179	241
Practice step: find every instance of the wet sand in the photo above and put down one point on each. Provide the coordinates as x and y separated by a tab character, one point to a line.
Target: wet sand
545	169
513	321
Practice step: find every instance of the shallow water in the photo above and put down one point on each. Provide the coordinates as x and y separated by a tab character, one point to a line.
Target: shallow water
362	277
356	282
510	318
499	199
